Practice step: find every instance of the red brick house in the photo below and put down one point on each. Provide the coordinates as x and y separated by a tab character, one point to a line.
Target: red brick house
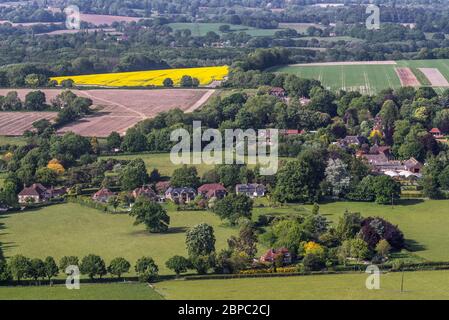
436	133
271	255
144	191
278	92
103	195
212	190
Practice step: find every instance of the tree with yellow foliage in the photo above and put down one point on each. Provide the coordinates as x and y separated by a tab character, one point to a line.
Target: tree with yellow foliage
313	248
376	136
56	166
8	156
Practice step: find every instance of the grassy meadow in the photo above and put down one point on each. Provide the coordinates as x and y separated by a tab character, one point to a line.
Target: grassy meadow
110	291
70	229
417	285
201	29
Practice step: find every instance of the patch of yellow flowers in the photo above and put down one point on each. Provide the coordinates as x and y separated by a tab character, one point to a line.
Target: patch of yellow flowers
205	75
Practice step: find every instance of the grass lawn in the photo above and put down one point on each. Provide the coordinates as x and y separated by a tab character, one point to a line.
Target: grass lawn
19	141
417	285
425	224
200	29
70	229
162	162
111	291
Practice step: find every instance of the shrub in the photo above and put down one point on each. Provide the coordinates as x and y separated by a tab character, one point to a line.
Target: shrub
313	262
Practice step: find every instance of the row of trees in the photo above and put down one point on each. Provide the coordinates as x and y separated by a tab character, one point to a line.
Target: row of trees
20	268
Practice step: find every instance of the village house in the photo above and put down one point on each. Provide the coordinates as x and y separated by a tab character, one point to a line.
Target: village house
103	195
382	162
184	194
252	190
349	141
37	193
145	191
272	255
304	101
211	190
278	92
291	132
437	134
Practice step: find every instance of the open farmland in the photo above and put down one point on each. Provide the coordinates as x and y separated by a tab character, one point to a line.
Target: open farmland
100	19
201	29
120	109
205	75
370	77
16	123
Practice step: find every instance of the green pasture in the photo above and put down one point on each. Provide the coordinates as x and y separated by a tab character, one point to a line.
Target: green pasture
110	291
201	29
71	229
417	285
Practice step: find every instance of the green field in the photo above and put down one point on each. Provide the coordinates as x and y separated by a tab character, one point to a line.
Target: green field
20	141
162	162
200	29
417	285
111	291
368	79
70	229
425	224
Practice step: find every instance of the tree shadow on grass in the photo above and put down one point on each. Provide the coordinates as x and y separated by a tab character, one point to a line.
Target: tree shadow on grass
414	246
172	230
408	202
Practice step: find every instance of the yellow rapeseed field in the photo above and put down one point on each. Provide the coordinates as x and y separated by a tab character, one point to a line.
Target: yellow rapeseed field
205	75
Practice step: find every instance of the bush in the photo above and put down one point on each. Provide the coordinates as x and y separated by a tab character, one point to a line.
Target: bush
313	262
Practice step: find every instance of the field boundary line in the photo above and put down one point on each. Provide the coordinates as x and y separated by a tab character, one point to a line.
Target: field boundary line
201	101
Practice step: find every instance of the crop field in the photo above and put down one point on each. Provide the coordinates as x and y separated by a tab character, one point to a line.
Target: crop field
120	109
71	229
371	77
205	75
417	285
16	123
200	29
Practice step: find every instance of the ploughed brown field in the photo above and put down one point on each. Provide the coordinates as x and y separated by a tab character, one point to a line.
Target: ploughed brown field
118	109
407	77
16	123
435	77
